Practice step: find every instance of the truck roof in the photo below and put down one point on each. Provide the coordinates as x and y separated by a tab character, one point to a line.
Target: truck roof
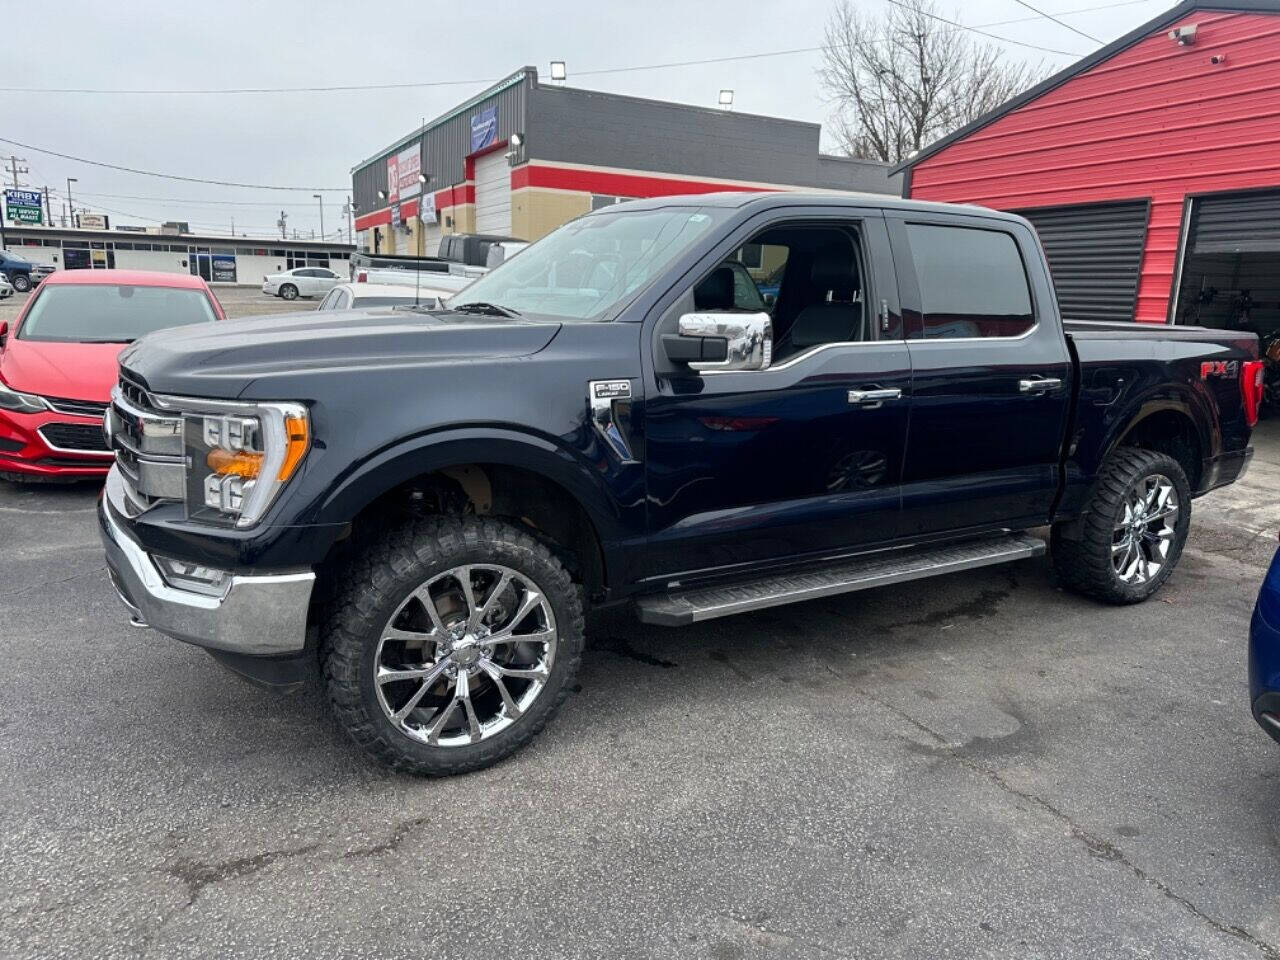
801	198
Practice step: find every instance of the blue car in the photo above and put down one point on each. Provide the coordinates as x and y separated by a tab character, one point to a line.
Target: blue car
1264	653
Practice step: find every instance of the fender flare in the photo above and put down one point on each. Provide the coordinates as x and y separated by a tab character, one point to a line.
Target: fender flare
427	453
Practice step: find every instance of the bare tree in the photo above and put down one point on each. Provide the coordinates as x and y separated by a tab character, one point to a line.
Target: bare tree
903	80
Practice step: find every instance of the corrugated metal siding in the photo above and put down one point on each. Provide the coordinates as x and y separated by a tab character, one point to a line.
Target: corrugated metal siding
1240	223
1155	120
1095	255
447	143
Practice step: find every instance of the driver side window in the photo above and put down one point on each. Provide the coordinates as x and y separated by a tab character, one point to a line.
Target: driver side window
810	278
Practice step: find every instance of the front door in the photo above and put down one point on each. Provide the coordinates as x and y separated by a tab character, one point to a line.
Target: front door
991	376
748	467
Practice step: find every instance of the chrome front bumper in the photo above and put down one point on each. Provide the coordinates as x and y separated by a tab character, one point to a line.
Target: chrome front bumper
261	616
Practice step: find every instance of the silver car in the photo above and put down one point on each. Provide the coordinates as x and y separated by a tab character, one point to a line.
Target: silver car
6	288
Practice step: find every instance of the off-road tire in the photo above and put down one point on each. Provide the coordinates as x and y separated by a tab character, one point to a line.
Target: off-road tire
21	283
372	587
1082	549
288	292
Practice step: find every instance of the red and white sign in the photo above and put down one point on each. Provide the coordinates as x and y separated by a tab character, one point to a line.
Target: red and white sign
402	174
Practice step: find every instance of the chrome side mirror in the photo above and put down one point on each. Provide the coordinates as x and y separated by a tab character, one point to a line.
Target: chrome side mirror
722	341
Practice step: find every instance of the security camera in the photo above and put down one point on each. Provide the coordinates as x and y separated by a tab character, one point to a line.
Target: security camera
1183	36
1218	58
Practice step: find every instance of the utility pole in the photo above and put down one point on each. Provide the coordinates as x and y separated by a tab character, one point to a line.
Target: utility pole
48	214
13	166
321	199
71	207
233	224
348	209
280	223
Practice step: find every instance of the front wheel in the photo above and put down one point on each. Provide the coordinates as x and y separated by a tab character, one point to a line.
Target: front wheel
289	292
1131	535
451	644
21	283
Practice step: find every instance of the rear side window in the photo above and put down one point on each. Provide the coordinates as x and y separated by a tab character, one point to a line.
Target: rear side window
972	282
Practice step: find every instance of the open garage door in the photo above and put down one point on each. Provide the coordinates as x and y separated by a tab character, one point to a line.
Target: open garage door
1095	255
493	195
1230	271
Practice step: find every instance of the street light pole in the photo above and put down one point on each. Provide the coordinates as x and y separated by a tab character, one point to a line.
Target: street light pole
321	199
71	207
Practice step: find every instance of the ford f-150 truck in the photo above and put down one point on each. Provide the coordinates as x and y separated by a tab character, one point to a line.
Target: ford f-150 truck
426	504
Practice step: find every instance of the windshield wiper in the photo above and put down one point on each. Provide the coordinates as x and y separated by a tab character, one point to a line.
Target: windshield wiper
489	309
111	340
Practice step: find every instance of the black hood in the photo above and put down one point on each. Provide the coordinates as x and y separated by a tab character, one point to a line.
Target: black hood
223	359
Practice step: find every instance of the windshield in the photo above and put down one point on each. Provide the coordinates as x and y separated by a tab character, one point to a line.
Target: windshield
591	266
111	313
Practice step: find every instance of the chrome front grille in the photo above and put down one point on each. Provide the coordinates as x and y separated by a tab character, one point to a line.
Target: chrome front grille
77	408
148	444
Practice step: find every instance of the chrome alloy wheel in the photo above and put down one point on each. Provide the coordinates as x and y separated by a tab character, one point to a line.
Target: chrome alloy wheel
1145	529
465	655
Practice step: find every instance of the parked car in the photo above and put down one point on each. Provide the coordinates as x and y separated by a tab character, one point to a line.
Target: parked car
1264	653
427	509
6	288
300	282
358	296
58	363
22	274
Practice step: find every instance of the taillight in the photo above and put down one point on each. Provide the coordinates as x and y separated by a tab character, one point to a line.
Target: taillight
1251	375
362	276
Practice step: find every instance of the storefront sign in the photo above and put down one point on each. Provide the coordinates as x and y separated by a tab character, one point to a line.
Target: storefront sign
408	166
427	207
24	206
395	215
224	269
94	221
484	129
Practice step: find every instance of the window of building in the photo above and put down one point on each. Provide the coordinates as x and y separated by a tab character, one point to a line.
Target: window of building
972	282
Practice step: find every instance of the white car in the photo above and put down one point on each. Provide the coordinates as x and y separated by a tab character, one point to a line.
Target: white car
301	282
357	296
6	288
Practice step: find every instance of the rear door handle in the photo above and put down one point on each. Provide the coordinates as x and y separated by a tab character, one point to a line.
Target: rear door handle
871	399
1039	385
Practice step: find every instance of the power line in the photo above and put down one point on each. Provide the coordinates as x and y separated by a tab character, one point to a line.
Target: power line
1061	23
167	176
345	88
991	36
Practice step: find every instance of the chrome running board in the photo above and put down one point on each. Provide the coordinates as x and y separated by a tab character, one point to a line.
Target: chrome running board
683	607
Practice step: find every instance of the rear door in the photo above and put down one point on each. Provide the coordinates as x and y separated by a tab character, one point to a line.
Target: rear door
991	375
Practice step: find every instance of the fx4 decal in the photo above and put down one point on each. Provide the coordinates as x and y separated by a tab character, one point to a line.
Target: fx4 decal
1219	368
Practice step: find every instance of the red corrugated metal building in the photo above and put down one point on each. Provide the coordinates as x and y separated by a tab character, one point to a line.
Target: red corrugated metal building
1150	168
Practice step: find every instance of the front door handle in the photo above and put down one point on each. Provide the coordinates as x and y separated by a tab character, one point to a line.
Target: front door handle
1039	385
870	399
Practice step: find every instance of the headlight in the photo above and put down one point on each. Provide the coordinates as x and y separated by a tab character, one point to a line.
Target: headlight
11	399
239	456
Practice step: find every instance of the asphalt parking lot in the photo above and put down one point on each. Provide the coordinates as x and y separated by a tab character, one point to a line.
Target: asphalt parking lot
975	766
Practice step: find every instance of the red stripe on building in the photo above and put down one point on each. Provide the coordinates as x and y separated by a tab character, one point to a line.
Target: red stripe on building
448	197
617	184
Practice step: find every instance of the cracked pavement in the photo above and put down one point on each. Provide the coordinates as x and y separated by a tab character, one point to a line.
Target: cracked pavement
975	766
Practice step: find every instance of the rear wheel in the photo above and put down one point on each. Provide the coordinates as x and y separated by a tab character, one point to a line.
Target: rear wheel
21	282
451	644
1133	529
289	292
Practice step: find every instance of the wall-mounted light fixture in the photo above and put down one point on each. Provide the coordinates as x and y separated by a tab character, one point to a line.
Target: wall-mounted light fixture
558	71
726	99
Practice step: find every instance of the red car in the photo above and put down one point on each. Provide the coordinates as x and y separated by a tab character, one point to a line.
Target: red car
58	362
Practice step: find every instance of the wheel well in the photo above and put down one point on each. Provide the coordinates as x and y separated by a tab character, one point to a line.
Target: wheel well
524	497
1173	433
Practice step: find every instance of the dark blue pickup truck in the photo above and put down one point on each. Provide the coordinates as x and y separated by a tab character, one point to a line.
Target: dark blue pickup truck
425	503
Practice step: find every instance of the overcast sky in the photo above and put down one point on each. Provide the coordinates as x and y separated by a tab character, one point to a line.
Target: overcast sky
313	139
